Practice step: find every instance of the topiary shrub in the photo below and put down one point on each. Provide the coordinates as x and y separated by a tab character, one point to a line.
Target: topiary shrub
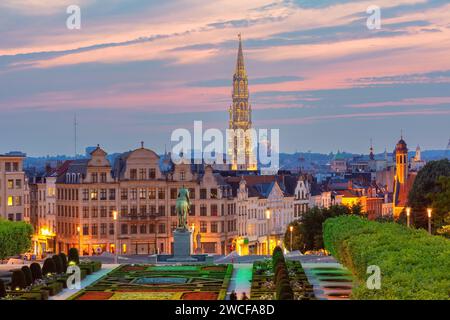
284	290
74	256
49	266
18	280
283	274
2	289
63	257
36	271
58	263
28	276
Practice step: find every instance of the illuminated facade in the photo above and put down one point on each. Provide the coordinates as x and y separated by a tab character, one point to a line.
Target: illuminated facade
142	187
241	151
14	195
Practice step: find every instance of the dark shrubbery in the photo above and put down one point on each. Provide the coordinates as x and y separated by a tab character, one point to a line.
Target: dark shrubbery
18	280
281	276
58	263
36	271
28	276
74	256
49	266
2	289
63	257
414	264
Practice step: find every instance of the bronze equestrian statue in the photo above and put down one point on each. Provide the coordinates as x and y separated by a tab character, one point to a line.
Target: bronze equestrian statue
183	207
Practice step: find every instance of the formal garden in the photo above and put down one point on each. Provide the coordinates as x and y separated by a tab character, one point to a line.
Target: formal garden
161	282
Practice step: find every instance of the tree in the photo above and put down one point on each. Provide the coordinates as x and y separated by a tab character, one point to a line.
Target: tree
307	232
297	237
15	238
440	202
425	185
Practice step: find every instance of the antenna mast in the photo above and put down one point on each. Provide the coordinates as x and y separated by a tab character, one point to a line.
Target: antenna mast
75	132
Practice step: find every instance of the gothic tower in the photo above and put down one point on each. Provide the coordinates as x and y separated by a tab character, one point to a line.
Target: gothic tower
240	149
401	183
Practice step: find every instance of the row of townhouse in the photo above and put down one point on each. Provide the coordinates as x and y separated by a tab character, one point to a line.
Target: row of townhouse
75	205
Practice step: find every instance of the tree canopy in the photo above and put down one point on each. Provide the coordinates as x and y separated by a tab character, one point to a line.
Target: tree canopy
307	231
430	190
15	238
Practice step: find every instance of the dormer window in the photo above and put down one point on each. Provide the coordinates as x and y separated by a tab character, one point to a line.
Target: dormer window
142	174
94	177
182	175
152	173
133	174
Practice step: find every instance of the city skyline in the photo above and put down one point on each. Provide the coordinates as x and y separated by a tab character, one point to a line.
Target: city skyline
315	71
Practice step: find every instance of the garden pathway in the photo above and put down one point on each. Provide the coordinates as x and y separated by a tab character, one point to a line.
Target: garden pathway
66	293
241	279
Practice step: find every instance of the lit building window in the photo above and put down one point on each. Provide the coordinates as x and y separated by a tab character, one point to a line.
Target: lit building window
10	201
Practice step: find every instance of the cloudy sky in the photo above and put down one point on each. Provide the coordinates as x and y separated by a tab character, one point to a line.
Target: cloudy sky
138	69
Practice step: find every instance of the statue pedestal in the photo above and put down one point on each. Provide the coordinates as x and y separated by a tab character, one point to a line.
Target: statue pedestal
182	246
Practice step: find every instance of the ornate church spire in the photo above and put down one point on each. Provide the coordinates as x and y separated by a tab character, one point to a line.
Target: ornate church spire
240	66
241	115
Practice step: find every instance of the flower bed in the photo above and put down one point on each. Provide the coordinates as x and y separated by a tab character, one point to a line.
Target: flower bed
150	282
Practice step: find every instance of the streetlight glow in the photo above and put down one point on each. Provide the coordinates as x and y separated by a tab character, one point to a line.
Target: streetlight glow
291	228
268	214
429	210
114	215
408	213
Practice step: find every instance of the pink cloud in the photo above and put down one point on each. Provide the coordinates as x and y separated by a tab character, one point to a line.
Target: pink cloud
405	102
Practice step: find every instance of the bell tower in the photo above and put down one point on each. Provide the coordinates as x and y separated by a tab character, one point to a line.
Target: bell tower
401	161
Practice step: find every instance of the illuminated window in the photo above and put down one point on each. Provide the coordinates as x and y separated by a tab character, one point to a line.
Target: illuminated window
10	184
94	194
10	201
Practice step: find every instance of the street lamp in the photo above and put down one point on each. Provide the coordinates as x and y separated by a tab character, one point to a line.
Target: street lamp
429	210
115	236
268	230
291	228
79	239
408	214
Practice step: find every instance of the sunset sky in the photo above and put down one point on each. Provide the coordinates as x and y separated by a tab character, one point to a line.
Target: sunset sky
139	69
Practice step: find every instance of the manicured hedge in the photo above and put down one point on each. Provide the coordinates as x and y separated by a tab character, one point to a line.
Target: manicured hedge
15	238
414	264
